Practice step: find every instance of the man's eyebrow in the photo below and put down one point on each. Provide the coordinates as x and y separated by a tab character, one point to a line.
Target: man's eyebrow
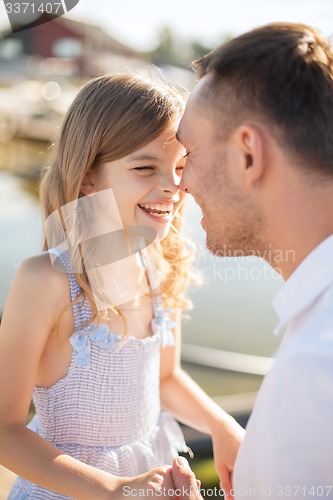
143	157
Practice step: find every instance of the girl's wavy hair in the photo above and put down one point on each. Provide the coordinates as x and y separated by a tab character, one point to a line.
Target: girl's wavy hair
111	117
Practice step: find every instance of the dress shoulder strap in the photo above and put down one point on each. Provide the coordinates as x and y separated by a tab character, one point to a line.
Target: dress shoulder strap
81	309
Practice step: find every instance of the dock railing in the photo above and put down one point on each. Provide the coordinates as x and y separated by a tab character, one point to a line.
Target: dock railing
238	405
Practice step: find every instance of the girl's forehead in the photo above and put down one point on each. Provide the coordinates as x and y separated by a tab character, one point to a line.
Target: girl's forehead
165	141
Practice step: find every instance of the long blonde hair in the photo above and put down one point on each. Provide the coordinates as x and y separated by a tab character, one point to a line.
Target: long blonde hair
111	117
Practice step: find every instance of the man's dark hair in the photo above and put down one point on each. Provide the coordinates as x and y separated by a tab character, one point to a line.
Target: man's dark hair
282	75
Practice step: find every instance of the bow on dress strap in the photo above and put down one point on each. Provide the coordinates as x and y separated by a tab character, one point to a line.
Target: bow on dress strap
98	334
162	326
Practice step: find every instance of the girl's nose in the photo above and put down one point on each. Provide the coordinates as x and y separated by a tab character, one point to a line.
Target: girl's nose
182	185
173	189
170	184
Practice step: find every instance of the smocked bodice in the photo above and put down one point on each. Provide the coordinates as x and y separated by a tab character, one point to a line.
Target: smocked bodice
113	401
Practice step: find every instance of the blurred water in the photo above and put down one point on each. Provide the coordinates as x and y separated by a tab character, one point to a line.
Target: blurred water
20	228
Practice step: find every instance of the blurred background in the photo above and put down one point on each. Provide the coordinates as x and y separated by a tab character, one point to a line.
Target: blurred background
228	338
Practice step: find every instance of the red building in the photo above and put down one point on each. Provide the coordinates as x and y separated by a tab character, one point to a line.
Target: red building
64	47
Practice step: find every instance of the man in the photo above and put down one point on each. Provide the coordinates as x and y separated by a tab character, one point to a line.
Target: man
258	130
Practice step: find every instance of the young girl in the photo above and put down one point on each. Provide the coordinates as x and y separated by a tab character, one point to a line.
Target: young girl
99	374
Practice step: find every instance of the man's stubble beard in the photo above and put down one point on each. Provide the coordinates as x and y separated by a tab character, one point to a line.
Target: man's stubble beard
241	229
240	232
236	243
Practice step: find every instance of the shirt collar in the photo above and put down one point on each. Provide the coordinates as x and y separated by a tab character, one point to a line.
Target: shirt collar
305	284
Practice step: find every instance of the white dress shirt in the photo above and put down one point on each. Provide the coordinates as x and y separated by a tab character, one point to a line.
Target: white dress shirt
288	448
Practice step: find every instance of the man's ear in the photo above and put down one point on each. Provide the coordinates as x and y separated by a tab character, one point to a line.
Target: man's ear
88	185
250	143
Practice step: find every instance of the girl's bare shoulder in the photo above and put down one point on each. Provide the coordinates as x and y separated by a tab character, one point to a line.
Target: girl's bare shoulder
42	269
37	277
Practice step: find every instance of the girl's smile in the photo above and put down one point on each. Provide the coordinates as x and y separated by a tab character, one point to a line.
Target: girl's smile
145	183
160	210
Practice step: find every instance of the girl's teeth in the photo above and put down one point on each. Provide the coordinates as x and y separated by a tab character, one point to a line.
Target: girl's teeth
161	216
162	207
165	209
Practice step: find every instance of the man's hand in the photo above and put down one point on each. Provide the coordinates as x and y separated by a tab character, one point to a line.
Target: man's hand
226	438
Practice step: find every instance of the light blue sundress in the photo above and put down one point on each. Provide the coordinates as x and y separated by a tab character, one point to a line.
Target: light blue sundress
106	411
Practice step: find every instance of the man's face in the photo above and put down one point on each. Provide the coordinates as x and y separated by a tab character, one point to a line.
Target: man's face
212	174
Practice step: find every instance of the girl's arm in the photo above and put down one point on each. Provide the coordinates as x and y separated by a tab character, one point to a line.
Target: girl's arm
189	404
37	297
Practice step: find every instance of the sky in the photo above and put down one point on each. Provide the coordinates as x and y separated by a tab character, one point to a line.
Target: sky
137	22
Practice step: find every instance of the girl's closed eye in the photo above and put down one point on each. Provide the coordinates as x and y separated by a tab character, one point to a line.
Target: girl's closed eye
146	168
